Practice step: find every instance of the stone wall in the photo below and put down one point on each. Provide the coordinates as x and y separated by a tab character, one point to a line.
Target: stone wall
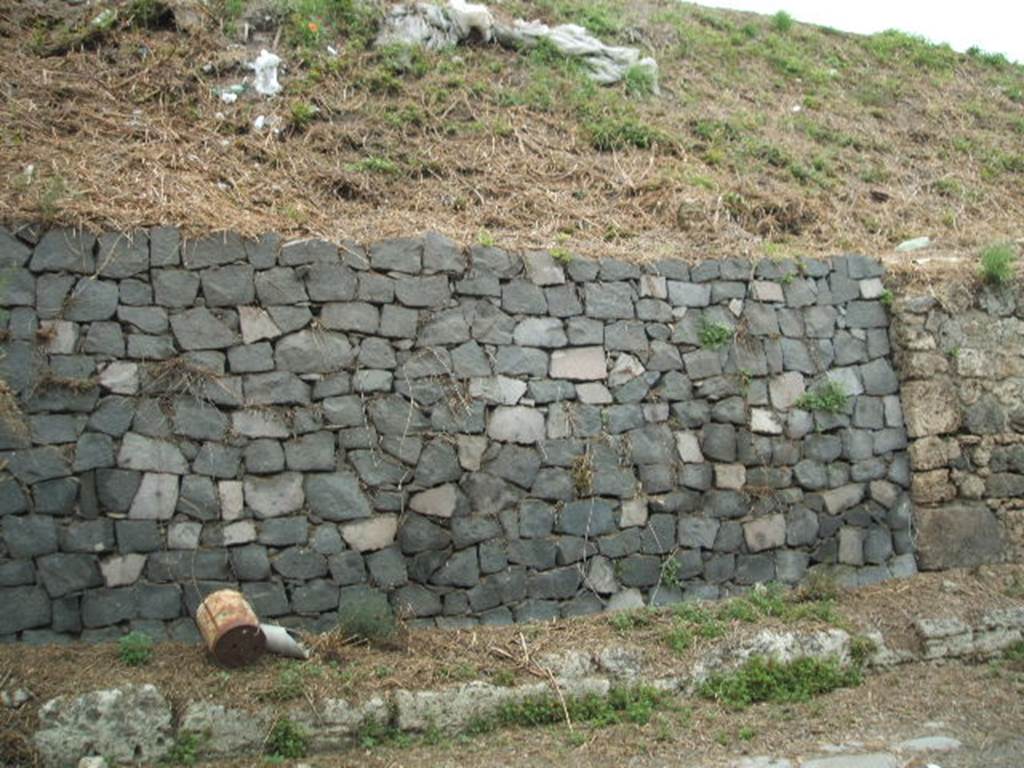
963	390
481	436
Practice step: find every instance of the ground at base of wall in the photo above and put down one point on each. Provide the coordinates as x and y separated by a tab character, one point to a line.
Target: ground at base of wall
933	616
970	716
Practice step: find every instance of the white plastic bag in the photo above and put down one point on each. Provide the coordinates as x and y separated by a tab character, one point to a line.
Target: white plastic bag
265	68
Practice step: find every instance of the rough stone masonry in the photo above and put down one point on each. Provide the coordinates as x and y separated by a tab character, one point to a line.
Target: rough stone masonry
472	434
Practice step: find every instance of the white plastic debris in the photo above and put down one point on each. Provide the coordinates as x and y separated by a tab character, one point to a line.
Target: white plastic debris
265	67
607	63
915	244
470	19
271	123
435	26
283	642
228	97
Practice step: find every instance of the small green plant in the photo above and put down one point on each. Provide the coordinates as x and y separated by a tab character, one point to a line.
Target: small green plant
561	254
627	621
148	13
135	649
670	572
997	264
374	164
505	678
583	475
485	238
782	22
640	81
576	738
367	616
714	335
377	733
287	740
763	679
460	672
830	397
185	750
1015	587
302	115
290	682
679	637
612	133
624	704
1015	653
887	297
861	650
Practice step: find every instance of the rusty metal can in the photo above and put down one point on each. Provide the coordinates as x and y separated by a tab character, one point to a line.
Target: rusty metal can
230	628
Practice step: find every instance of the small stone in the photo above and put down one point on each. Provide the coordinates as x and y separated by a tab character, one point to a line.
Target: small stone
370	535
579	364
765	422
122	570
274	495
763	290
156	498
437	502
730	476
518	424
256	325
542	269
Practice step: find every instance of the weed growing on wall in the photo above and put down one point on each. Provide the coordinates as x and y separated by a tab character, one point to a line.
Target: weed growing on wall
287	740
830	397
714	335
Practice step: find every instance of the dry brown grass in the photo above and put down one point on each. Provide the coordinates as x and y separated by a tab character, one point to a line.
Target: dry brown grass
881	149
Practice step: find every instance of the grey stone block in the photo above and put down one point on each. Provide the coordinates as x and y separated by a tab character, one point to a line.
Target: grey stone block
250	562
266	598
299	563
609	301
558	584
460	570
213	250
639	570
64	250
229	286
398	254
28	536
24	608
174	287
63	574
105	607
198	328
387	568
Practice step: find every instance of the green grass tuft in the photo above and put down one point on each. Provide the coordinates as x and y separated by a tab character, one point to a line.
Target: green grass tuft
374	164
761	679
997	262
640	81
287	740
135	649
367	616
782	22
619	132
185	750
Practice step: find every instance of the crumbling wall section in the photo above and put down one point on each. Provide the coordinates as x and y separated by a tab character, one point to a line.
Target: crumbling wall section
963	393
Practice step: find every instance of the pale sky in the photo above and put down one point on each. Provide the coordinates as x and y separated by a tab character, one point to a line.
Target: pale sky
996	26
